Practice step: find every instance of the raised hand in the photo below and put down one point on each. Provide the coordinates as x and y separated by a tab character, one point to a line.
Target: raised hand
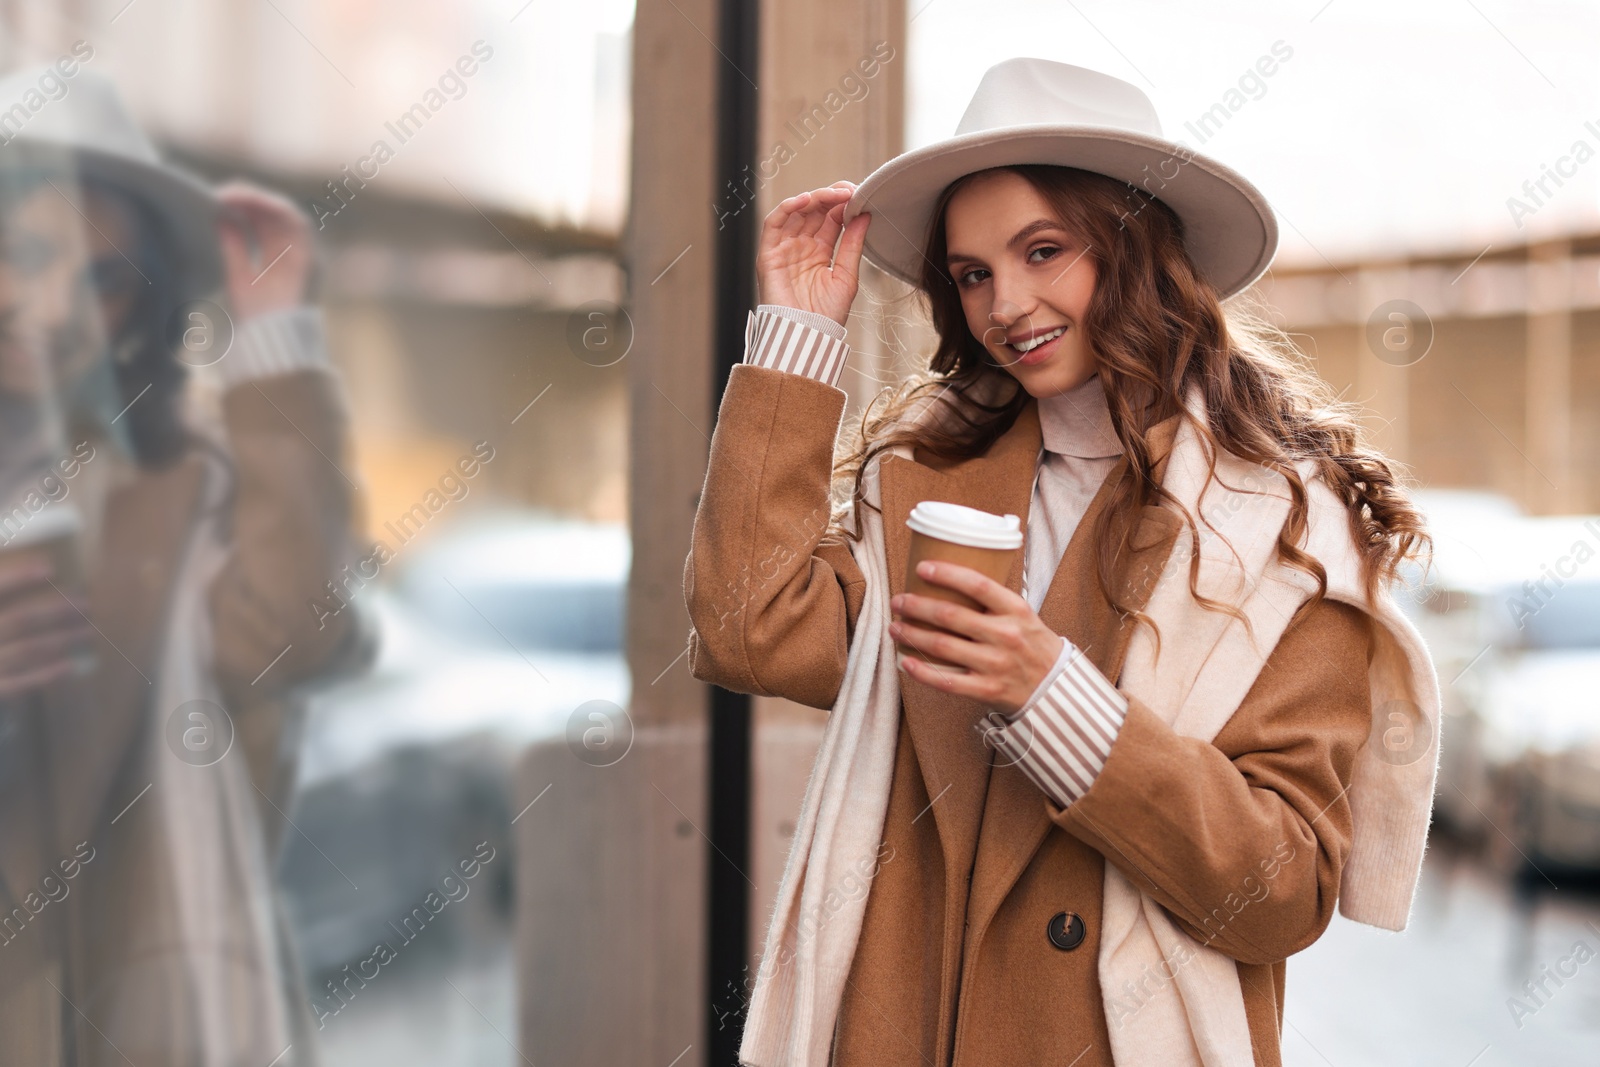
266	249
796	264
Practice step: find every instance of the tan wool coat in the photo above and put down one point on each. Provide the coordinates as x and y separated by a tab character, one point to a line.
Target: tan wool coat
116	944
1242	839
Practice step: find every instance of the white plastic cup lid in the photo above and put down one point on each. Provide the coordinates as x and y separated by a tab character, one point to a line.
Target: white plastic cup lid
962	525
49	522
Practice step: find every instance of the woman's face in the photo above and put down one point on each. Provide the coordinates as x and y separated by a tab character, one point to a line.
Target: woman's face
42	254
1024	281
57	300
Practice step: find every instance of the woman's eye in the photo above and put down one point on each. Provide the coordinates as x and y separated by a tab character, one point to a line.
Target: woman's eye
972	277
1042	253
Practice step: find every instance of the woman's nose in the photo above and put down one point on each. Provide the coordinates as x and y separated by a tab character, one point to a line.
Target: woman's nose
1007	312
1011	300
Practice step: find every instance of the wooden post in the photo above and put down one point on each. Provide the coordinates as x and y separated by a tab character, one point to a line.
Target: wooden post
1550	480
612	861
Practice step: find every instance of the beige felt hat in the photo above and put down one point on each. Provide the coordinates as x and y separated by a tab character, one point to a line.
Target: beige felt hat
88	131
1039	111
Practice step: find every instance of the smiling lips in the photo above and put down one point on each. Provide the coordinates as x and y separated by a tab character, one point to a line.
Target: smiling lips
1036	345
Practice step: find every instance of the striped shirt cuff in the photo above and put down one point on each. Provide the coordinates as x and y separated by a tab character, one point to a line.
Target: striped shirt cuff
279	342
799	342
1062	738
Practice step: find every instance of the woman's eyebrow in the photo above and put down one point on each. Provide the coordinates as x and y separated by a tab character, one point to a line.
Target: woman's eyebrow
1021	235
1032	228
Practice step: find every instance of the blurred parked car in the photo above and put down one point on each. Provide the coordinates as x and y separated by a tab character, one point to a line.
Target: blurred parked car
492	633
1511	612
1473	534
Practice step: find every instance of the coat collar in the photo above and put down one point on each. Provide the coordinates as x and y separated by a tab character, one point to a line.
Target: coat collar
1078	422
954	760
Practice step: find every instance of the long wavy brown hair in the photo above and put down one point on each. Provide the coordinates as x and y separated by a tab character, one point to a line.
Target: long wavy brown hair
1156	327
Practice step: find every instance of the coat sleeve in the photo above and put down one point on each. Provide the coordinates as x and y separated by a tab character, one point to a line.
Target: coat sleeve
772	597
1243	839
293	520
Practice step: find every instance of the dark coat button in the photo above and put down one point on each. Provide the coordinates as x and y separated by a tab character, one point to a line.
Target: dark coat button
1067	930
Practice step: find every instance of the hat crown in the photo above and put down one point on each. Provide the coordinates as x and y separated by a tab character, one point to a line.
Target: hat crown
88	113
1026	92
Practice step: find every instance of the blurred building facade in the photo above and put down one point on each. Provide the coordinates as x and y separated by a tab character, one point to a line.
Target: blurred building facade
454	263
1479	370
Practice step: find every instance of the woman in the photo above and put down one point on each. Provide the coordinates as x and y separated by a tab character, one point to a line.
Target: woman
1096	837
207	480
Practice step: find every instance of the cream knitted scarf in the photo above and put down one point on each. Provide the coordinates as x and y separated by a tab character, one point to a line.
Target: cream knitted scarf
1168	998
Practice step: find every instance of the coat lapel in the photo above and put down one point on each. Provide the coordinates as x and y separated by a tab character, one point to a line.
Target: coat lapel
951	754
1016	815
146	527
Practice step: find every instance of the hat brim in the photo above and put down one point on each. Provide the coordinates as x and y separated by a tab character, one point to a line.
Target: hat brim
1230	231
185	205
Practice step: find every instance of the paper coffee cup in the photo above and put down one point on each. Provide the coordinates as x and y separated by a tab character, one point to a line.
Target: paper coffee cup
953	533
53	535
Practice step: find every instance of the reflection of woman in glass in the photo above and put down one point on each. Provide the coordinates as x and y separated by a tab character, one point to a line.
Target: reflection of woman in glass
208	503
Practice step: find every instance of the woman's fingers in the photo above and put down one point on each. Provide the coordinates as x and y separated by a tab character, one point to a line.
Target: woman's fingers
814	216
39	628
779	214
961	683
16	684
39	660
847	260
932	611
995	599
804	224
42	612
270	220
23	574
965	654
828	229
986	591
41	649
247	196
798	207
784	219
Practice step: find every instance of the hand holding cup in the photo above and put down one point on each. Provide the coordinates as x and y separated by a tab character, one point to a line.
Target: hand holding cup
42	633
960	629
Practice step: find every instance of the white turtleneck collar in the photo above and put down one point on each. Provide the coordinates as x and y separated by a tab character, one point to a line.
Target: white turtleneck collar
1078	422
